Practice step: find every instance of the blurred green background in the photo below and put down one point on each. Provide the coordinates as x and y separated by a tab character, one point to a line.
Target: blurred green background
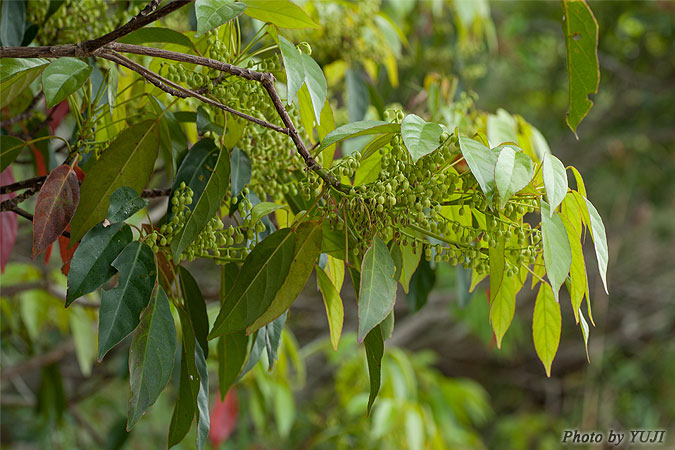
445	384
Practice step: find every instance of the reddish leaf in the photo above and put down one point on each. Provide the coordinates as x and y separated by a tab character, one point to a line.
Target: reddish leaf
79	173
8	222
223	418
48	253
58	113
55	206
66	253
40	167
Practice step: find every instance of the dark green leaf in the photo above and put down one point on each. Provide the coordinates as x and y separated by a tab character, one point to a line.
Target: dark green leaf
214	13
63	77
387	326
377	291
16	75
420	137
557	252
374	344
355	129
241	171
273	338
481	161
128	161
259	340
121	307
204	122
184	410
124	203
282	13
421	284
91	265
157	34
10	147
307	250
232	352
260	279
12	23
581	38
196	306
151	356
209	185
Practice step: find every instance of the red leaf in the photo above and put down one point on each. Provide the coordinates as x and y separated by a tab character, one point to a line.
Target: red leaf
40	167
66	253
9	223
48	253
223	418
55	206
58	113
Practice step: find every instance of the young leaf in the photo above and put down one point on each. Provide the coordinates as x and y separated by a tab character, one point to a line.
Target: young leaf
9	222
10	147
420	137
555	181
196	307
232	352
377	290
481	160
91	265
282	13
151	356
209	185
214	13
599	241
356	129
124	203
293	64
63	77
307	250
334	308
513	171
578	278
55	206
546	325
503	307
262	209
374	352
501	127
128	161
581	39
241	171
17	74
557	251
260	278
121	307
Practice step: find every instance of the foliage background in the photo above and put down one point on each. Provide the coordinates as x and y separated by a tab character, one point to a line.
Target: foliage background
441	362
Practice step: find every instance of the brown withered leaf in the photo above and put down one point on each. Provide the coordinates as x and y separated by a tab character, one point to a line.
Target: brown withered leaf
55	206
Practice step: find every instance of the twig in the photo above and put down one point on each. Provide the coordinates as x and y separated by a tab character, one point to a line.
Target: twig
25	114
23	213
23	184
38	361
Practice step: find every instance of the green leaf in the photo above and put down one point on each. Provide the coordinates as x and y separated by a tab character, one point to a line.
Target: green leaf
414	429
334	308
501	128
121	307
368	171
555	181
375	144
546	325
599	241
260	278
262	209
157	35
503	307
421	284
232	353
481	160
273	338
208	182
10	147
307	250
84	337
214	13
282	13
124	203
578	278
410	260
128	161
196	307
63	77
356	94
294	67
557	251
91	265
12	23
355	129
585	332
420	137
284	409
513	171
374	352
151	356
241	171
259	339
581	39
377	291
316	84
193	390
16	75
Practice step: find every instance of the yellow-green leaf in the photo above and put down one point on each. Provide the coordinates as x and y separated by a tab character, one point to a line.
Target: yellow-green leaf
334	308
546	326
